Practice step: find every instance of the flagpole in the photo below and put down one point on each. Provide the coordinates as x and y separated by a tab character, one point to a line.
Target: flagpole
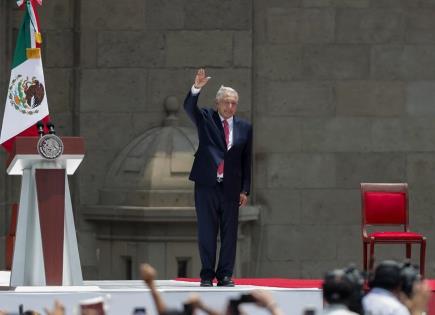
36	38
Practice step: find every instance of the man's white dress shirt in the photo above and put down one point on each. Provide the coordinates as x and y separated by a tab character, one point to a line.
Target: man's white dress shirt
382	302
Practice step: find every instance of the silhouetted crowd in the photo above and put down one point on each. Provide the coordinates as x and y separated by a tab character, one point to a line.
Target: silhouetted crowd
391	289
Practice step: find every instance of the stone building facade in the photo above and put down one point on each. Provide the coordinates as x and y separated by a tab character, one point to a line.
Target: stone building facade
339	92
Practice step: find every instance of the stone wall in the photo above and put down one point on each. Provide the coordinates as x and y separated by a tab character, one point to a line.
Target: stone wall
343	94
339	91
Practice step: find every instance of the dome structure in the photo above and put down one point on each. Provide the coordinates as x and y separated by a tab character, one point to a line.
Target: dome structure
152	170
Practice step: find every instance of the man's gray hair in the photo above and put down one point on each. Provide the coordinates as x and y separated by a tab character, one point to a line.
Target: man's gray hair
224	90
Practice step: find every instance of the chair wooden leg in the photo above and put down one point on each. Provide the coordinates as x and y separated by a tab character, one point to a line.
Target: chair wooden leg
408	251
365	255
372	255
422	256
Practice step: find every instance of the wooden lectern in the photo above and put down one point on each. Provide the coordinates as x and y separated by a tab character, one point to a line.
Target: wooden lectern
45	251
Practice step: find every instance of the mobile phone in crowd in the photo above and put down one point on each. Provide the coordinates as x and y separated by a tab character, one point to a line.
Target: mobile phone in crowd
309	311
139	311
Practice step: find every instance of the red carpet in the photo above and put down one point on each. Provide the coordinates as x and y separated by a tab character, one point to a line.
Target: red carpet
272	282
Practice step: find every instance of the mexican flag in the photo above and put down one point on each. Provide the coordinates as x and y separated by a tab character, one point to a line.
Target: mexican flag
26	100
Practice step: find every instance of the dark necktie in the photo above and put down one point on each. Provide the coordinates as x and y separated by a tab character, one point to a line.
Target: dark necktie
227	140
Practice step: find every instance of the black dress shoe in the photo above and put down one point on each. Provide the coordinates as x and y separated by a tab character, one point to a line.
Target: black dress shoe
206	283
225	282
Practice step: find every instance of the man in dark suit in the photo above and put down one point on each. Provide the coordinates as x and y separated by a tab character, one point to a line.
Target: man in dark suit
222	175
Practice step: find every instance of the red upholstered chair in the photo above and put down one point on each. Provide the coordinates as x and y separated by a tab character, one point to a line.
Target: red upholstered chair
387	205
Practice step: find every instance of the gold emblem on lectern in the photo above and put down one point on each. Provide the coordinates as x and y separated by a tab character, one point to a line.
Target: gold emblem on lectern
50	146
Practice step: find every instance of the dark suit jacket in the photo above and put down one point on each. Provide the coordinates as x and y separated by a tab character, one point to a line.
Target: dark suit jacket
212	149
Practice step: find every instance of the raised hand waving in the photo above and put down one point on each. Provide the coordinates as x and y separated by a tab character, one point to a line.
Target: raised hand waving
201	79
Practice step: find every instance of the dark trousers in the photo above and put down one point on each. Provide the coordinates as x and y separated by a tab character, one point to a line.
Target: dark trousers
215	213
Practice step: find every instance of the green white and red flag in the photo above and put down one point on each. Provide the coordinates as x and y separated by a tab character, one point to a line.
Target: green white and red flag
26	101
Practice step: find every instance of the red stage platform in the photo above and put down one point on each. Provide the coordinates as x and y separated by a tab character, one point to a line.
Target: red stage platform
273	282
